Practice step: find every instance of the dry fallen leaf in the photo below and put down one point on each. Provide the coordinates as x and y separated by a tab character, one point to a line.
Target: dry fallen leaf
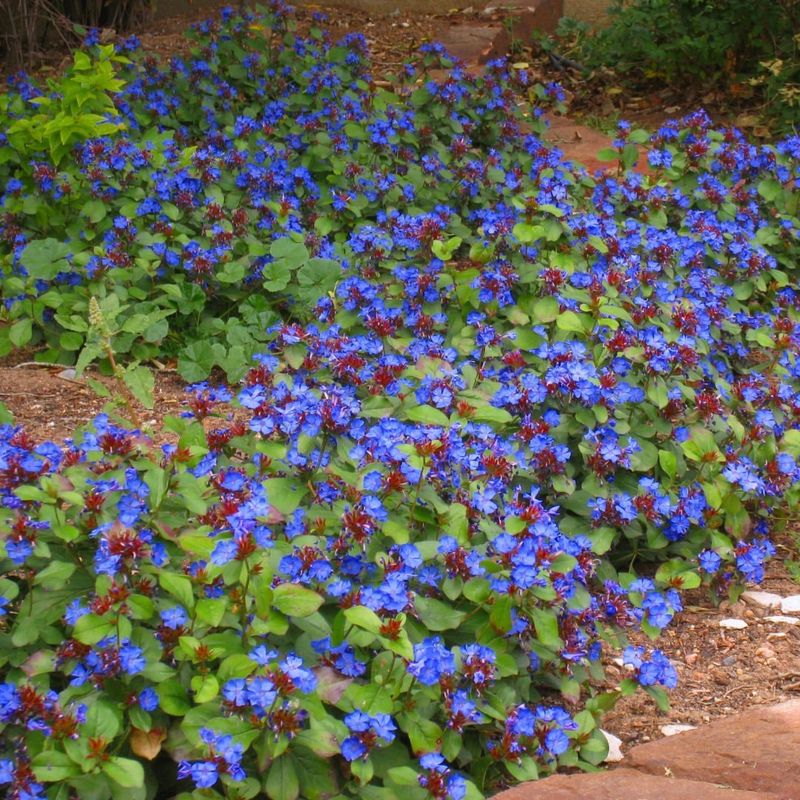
147	744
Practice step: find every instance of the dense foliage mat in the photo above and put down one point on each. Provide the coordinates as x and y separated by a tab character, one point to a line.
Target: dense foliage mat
494	413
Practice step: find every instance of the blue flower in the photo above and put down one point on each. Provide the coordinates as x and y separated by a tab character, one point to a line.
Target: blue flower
366	729
131	659
432	661
148	699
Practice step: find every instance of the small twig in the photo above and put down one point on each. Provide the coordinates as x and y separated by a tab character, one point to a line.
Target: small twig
562	62
49	364
26	394
734	689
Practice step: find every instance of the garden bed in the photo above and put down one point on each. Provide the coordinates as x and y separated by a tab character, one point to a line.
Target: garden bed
468	425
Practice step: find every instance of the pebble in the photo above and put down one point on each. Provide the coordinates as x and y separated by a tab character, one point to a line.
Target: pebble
733	624
762	599
728	661
614	747
791	604
674	730
766	652
781	618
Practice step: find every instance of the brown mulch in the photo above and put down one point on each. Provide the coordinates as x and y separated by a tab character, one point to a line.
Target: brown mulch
392	37
720	672
600	98
51	404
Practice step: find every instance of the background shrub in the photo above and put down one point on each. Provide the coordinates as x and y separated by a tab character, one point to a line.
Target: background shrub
26	26
703	42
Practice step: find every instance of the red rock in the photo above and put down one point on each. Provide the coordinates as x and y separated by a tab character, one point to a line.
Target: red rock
522	18
757	750
625	784
470	43
579	143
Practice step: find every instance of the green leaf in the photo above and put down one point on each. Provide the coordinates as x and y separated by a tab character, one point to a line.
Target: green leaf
233	272
607	154
436	615
523	769
276	276
526	233
500	615
668	462
54	575
19	334
103	720
173	698
211	610
594	749
282	782
284	494
427	415
769	189
363	617
44	258
546	624
295	600
317	277
403	776
141	383
205	688
602	539
371	698
290	253
491	414
90	629
445	251
545	309
237	665
179	586
196	361
423	734
646	458
124	771
52	765
94	210
570	321
630	155
89	353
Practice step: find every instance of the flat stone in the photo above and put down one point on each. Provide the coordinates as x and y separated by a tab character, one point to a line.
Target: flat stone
758	750
624	784
762	599
470	43
791	604
614	748
780	618
674	730
733	624
521	20
578	143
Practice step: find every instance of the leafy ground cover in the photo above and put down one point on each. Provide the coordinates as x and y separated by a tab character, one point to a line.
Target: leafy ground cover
493	414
